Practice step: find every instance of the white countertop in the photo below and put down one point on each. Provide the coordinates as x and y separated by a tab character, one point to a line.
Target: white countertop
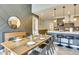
64	32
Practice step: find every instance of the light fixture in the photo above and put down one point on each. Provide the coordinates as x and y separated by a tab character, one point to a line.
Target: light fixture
68	18
63	14
75	12
64	20
75	19
55	21
68	12
63	10
55	14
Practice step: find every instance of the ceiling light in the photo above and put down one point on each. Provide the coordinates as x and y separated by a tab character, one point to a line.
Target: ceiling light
63	13
64	20
75	19
55	21
54	12
75	12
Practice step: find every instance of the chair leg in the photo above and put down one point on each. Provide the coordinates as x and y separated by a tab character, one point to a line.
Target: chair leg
52	51
54	47
49	49
47	52
44	51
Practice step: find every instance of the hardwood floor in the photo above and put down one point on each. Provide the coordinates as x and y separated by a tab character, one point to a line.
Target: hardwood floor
66	51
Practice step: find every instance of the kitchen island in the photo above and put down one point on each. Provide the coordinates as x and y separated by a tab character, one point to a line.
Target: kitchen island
74	42
63	32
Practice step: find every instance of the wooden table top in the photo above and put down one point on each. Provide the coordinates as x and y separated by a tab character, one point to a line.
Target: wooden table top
21	47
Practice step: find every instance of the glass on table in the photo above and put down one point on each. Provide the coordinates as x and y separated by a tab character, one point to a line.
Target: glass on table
41	36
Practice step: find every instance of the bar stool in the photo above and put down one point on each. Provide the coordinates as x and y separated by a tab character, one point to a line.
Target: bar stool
77	38
69	37
59	36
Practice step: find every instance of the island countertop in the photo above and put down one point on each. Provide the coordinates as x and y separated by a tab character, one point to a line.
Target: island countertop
63	32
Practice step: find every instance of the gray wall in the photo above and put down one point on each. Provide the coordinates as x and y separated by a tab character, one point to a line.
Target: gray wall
22	11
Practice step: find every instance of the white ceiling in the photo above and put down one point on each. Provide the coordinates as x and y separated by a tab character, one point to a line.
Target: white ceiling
44	11
39	7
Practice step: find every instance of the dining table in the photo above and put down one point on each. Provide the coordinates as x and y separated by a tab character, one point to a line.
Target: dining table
21	47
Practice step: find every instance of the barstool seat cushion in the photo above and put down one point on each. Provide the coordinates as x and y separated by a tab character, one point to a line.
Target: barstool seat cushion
70	37
60	36
77	37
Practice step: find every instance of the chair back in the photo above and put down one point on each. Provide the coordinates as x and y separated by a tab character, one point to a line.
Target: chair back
43	31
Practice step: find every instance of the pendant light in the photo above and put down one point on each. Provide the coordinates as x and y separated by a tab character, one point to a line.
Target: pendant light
54	12
63	13
68	18
63	10
75	12
55	15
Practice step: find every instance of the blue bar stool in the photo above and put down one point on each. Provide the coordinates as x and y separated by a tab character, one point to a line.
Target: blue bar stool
59	36
77	38
69	37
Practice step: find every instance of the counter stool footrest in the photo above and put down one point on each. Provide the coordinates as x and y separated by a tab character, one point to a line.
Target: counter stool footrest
69	47
77	48
59	45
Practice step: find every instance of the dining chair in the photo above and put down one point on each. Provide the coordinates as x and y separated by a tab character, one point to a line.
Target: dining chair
50	42
42	32
47	50
34	52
